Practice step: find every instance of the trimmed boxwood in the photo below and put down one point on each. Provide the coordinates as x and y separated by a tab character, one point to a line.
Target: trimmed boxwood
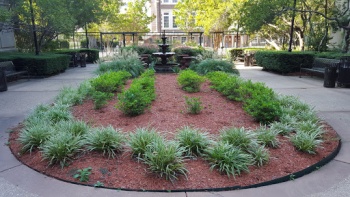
38	65
92	54
283	61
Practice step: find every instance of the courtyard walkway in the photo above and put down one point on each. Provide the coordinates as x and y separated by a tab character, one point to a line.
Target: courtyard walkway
331	104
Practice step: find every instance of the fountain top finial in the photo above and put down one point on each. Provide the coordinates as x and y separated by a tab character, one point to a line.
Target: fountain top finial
163	34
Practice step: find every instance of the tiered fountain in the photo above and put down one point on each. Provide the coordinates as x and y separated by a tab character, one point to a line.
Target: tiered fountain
164	66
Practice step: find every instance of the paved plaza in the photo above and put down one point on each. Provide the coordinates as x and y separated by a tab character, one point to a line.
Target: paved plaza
331	104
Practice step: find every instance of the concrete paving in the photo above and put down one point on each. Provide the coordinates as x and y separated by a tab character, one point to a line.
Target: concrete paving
331	104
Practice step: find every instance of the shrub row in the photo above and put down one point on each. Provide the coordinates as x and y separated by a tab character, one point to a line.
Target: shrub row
139	96
258	100
92	54
42	65
283	62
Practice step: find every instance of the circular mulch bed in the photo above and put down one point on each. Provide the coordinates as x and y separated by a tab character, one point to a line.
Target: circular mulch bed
167	114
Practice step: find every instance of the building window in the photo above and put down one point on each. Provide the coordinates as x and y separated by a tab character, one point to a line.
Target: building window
166	20
165	1
183	40
174	1
174	23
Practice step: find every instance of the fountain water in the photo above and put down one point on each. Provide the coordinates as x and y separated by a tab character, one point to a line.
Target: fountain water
164	66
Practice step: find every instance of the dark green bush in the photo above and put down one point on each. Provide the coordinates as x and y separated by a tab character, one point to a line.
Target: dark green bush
235	53
190	81
92	54
138	97
330	55
63	44
110	82
185	50
211	65
260	102
283	62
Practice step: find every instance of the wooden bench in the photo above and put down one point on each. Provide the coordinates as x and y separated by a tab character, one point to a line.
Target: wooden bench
7	69
319	65
10	71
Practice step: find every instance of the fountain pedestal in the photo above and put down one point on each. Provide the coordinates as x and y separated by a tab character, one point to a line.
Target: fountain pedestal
164	66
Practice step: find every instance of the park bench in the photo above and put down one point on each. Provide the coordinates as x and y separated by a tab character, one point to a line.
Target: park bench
319	65
7	70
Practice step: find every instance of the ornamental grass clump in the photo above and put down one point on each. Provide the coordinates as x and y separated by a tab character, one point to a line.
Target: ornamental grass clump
212	65
34	136
238	137
190	81
76	127
267	136
228	159
193	140
61	147
281	128
106	140
123	60
306	142
310	127
141	139
165	158
260	155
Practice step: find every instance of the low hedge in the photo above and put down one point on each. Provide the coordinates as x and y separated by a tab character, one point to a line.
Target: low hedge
239	52
331	55
283	61
92	54
41	65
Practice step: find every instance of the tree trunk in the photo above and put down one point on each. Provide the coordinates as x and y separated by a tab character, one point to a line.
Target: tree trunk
346	41
274	44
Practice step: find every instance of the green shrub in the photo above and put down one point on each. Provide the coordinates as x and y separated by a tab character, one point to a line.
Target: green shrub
193	140
190	81
101	98
132	102
260	102
110	81
283	62
61	148
193	105
107	140
83	174
217	78
138	97
238	137
34	136
267	137
211	65
42	65
235	53
306	142
228	159
165	159
230	88
140	139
